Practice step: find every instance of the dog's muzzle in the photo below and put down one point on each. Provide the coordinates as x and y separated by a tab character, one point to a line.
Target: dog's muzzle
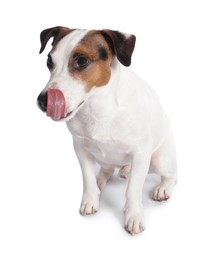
53	103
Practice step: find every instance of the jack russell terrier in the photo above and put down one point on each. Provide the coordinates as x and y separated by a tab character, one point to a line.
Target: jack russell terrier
115	117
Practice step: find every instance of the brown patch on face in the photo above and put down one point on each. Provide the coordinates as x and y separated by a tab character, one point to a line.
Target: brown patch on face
90	61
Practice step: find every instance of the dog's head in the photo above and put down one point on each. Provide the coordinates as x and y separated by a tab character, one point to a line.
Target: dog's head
80	61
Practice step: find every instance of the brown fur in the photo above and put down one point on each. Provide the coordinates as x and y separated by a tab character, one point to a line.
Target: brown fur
98	72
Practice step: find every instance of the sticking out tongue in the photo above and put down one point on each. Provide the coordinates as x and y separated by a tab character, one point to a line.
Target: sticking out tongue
55	104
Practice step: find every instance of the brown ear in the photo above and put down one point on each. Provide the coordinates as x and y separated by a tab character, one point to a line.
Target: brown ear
122	45
57	33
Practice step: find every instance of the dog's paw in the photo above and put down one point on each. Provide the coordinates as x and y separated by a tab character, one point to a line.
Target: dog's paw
89	205
160	193
101	181
124	172
134	222
103	177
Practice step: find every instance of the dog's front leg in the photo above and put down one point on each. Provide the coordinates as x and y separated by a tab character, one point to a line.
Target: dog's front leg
134	217
91	192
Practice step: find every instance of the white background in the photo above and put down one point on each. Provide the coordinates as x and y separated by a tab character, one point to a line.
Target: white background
178	51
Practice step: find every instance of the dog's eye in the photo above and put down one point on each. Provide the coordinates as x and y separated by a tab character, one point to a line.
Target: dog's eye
81	62
50	63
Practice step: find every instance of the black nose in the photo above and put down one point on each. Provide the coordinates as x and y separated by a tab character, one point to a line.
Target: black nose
42	101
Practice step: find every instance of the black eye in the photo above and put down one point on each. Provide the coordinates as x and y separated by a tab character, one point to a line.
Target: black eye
50	63
81	62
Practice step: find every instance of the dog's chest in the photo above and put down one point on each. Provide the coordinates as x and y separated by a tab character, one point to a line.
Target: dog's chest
106	152
107	138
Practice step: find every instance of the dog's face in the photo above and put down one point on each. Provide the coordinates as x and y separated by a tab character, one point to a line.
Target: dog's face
80	62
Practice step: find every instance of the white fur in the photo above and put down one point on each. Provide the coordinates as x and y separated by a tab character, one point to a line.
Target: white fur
119	125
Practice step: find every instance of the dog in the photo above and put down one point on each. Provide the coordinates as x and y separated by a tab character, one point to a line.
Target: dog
114	116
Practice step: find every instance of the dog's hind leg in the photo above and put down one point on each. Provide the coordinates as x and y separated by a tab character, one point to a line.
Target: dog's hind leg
124	171
103	176
163	162
161	192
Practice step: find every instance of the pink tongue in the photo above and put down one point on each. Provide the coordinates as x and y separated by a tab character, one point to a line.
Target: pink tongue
55	104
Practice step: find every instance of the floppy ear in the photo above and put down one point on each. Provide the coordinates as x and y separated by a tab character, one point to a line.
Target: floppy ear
122	45
57	33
